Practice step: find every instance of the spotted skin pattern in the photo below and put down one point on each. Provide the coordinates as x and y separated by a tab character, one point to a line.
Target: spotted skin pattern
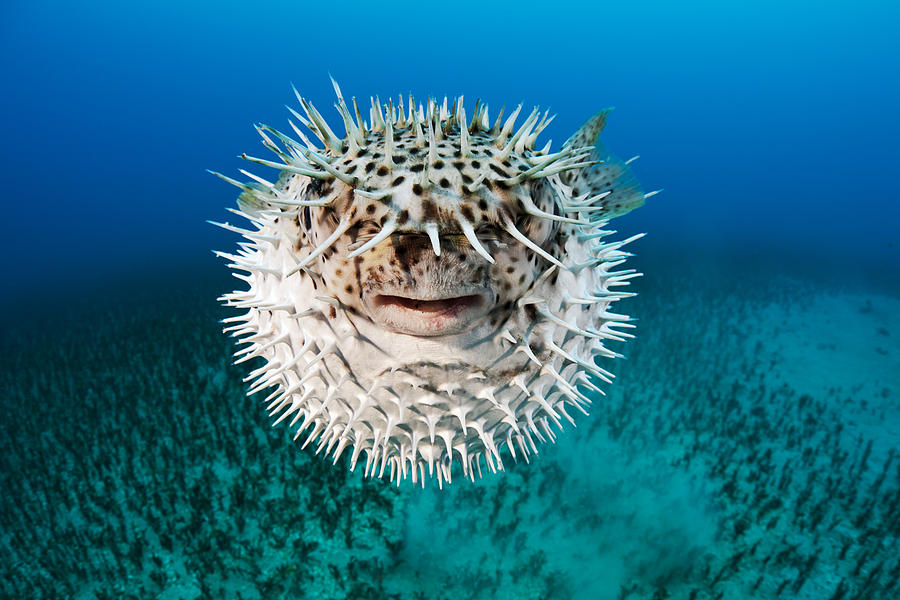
429	293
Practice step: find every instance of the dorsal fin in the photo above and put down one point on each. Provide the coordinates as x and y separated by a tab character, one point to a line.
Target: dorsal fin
610	175
589	133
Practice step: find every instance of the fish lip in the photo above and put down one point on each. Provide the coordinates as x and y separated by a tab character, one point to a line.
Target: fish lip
428	313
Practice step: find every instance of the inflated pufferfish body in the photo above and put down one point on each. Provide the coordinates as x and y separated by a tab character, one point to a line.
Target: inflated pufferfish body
429	289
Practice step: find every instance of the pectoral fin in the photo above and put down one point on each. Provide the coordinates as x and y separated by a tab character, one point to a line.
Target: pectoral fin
612	175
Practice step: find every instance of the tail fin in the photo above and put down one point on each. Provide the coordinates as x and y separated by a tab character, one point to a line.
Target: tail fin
612	175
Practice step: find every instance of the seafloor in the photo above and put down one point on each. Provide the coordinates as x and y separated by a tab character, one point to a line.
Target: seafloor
748	449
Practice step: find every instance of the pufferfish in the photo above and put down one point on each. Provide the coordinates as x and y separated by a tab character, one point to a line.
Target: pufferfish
430	291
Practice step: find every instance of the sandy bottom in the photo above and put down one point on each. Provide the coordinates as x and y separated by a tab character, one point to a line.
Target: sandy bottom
746	450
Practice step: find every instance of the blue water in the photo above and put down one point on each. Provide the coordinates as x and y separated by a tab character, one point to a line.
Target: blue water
772	128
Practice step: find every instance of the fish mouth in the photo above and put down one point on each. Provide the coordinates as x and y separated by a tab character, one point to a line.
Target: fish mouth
434	315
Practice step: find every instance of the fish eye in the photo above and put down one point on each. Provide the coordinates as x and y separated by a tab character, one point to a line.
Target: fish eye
488	231
365	231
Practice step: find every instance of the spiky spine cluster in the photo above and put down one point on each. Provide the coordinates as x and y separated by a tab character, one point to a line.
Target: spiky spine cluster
404	412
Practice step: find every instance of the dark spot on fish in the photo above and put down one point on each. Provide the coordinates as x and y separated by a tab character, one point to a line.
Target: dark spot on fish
314	187
416	168
445	183
382	170
498	170
482	204
307	218
429	210
417	189
467	213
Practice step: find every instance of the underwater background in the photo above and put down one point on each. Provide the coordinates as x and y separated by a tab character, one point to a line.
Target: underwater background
747	449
